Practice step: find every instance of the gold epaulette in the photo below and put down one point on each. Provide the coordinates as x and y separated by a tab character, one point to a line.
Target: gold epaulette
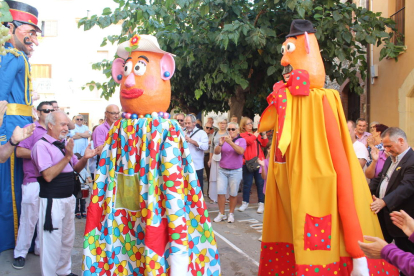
14	51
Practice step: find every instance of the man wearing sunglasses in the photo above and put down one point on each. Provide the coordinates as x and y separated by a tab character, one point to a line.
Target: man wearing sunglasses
30	190
15	88
80	135
180	120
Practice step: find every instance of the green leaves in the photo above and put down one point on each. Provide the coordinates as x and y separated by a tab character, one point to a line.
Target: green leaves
226	45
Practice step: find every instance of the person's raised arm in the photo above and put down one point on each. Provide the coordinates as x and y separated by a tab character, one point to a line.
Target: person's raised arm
19	134
237	148
370	170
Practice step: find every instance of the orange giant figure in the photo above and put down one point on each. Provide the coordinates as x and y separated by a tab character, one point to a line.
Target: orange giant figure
317	198
147	214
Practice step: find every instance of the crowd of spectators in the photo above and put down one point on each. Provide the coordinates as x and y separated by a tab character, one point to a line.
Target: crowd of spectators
234	157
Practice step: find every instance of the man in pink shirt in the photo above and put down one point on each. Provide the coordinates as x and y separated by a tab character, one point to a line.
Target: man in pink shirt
55	164
30	190
361	133
100	133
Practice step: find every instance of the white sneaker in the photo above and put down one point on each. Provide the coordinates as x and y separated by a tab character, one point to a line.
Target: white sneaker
261	208
231	218
220	217
243	206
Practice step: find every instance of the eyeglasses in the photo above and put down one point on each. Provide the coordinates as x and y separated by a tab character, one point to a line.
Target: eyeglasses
231	129
208	127
77	119
112	113
46	110
180	120
249	123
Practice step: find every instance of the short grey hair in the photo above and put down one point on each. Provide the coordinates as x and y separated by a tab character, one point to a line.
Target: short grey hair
236	125
51	117
193	118
80	115
394	133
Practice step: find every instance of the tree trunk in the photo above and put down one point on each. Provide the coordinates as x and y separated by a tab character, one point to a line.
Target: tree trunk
237	101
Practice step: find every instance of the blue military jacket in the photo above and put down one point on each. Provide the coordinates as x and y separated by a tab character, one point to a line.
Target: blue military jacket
12	89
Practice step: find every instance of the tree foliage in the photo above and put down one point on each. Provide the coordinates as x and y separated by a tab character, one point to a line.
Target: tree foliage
228	47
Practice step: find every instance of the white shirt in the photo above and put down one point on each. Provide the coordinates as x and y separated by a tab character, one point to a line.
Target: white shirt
361	150
197	153
394	163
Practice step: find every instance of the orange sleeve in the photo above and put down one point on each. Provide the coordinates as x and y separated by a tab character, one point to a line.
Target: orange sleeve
346	205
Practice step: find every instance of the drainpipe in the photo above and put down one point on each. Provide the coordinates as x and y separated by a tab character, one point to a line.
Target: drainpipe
370	60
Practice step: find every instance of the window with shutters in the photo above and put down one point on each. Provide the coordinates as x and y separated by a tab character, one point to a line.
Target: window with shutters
399	18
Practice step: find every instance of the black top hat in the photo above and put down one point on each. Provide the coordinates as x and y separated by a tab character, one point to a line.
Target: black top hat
24	13
300	26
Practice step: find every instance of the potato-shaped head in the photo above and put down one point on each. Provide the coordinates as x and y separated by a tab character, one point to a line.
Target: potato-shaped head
144	72
301	51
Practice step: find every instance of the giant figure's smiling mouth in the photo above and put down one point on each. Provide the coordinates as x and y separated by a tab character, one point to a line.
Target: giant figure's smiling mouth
131	93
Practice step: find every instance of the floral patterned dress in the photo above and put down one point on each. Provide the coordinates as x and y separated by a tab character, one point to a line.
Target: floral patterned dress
147	214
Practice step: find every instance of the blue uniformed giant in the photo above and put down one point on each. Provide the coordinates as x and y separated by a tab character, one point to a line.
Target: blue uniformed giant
15	88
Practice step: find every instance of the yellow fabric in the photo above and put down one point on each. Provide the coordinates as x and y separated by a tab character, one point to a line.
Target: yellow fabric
15	217
19	109
267	120
287	126
27	79
306	183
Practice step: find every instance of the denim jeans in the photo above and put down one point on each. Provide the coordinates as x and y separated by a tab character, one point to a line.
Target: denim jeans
248	182
228	178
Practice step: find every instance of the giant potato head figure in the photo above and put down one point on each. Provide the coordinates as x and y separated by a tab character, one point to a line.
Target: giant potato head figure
317	197
147	214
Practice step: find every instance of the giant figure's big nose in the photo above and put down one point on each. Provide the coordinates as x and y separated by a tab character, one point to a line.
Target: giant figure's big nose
130	81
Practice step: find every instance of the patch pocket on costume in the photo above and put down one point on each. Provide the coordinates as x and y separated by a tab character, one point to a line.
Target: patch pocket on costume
318	232
127	192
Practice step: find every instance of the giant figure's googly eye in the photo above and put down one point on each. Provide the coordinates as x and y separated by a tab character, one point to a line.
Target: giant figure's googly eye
283	50
140	68
290	47
127	68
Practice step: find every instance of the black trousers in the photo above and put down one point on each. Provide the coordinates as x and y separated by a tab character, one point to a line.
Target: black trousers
200	178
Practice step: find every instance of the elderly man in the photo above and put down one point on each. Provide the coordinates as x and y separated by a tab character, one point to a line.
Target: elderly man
111	116
393	189
55	163
80	135
197	140
15	88
359	148
361	133
30	190
180	120
71	124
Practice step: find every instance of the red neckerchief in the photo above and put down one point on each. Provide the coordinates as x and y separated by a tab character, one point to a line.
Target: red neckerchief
298	85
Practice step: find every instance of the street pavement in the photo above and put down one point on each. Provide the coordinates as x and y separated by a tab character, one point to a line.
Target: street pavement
238	244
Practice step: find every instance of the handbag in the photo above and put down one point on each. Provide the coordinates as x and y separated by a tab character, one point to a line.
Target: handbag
216	157
77	189
253	164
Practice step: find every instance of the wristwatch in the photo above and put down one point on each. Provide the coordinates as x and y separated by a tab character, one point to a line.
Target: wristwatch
11	143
